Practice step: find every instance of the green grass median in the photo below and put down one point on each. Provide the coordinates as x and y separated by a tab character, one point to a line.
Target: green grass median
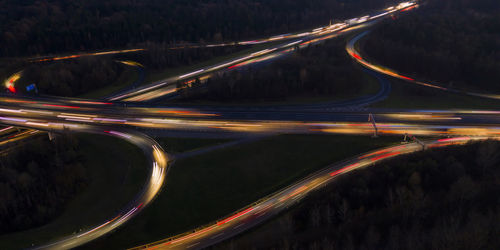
175	145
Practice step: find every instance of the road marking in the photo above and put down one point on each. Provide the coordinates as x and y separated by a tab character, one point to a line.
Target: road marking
215	236
238	226
192	245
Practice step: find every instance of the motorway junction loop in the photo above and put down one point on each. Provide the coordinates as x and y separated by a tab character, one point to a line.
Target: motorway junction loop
122	115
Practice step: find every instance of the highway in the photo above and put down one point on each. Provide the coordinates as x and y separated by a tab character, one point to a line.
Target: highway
18	136
10	135
66	57
53	118
25	112
158	164
168	87
276	203
356	55
59	115
101	117
119	118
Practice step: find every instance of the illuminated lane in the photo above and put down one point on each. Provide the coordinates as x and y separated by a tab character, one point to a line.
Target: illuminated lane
356	55
250	216
59	58
87	116
158	162
418	122
440	123
401	7
276	203
169	86
10	135
9	83
21	135
7	130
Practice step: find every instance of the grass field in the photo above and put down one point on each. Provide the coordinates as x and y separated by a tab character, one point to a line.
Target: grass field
204	188
117	171
180	145
128	76
411	96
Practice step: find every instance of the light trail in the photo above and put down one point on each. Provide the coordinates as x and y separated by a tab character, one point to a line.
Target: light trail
11	81
55	120
287	197
19	136
351	50
157	157
275	203
113	52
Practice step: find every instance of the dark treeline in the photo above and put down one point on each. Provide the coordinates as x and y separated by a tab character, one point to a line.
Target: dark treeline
453	42
38	27
437	199
319	70
71	77
37	179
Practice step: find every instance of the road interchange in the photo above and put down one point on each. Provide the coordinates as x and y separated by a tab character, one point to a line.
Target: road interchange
111	118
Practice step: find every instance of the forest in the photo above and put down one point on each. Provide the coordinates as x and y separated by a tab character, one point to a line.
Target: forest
436	199
37	179
322	70
455	43
72	77
40	27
